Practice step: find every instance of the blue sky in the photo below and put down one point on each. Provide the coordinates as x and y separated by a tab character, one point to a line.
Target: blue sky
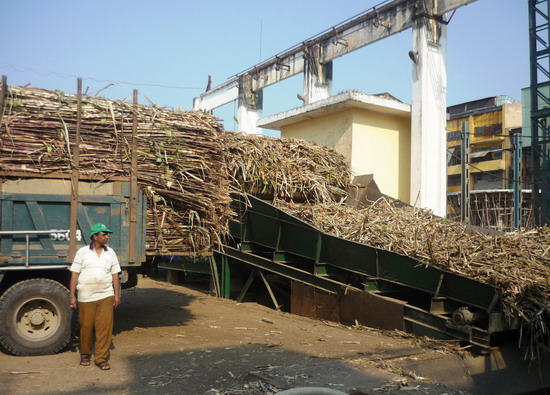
177	44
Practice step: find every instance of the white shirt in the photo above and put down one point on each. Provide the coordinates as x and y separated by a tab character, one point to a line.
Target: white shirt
95	281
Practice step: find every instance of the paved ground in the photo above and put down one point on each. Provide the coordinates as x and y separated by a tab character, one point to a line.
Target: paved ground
178	339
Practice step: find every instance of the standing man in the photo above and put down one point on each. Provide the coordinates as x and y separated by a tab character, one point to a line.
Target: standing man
95	280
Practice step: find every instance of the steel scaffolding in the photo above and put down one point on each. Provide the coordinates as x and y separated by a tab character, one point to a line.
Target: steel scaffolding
539	52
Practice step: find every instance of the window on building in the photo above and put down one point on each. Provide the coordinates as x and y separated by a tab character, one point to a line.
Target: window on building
453	136
488	180
488	130
455	158
453	180
484	154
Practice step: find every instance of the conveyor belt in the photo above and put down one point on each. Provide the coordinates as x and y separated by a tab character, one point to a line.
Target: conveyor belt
269	240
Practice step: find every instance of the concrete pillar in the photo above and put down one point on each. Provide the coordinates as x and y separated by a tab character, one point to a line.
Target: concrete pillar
317	77
249	109
428	117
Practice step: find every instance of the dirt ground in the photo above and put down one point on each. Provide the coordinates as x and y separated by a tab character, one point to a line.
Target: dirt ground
180	339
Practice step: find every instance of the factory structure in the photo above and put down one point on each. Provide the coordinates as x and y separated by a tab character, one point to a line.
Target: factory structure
484	162
373	132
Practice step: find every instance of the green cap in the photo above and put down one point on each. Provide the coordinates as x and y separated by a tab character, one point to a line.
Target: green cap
99	228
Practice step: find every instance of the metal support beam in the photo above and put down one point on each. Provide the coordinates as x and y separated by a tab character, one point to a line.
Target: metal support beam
75	174
3	92
134	189
465	173
516	136
539	50
428	114
270	291
325	284
215	277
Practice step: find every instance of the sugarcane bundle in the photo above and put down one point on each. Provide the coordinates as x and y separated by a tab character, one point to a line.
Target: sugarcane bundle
518	264
180	162
288	169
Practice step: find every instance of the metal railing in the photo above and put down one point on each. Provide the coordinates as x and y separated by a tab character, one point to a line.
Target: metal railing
27	234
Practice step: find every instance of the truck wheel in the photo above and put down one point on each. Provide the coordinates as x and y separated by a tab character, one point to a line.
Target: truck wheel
35	317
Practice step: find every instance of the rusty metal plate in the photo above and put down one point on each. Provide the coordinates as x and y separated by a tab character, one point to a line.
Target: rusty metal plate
371	310
309	302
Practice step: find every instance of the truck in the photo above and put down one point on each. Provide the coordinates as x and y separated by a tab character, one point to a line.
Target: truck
43	221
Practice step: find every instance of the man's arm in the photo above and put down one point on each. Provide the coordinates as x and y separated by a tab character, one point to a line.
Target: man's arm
116	287
72	290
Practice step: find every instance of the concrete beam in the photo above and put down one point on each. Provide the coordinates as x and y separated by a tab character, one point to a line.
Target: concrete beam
444	6
217	97
372	26
340	40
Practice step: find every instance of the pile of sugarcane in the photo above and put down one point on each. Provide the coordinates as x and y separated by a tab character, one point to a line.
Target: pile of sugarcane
186	162
286	169
180	163
518	264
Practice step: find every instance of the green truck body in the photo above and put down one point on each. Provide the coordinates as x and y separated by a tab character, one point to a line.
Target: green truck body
36	252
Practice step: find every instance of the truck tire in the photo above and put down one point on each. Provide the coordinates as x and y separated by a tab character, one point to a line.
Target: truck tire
35	317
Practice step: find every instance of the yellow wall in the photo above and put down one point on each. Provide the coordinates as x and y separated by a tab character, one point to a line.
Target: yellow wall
373	143
332	130
382	147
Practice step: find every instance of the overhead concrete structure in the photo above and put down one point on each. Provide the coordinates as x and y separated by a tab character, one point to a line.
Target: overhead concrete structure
314	56
373	132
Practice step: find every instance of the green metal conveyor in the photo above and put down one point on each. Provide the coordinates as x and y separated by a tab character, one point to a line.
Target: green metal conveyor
329	277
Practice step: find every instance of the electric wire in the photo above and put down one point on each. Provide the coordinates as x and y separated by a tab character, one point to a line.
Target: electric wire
66	76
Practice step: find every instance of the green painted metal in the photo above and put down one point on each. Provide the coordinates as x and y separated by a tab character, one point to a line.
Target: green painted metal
271	227
226	278
25	212
214	275
280	269
300	252
187	264
247	284
408	271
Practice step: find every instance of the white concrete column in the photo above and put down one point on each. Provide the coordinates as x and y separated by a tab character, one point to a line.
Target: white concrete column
317	78
247	119
428	117
249	108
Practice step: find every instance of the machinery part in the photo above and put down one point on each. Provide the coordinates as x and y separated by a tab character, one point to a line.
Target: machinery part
36	317
463	316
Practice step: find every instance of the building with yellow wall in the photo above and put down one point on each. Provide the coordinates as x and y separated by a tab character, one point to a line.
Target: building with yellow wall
488	123
373	132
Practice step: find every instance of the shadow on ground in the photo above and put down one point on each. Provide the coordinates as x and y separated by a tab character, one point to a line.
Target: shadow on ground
251	369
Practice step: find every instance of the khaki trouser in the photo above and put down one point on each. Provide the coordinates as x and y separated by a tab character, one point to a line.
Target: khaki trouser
96	315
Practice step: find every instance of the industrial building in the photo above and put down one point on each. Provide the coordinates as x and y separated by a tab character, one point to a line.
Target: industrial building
488	124
373	132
